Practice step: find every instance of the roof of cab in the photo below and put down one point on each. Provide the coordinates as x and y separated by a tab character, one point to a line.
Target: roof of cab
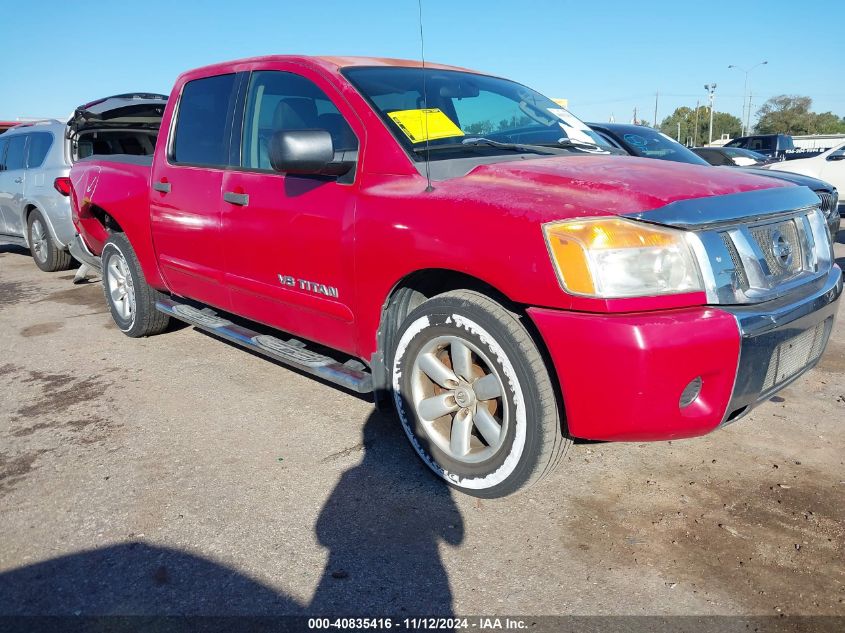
330	63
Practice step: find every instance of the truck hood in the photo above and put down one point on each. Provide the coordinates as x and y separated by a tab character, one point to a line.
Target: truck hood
569	186
132	110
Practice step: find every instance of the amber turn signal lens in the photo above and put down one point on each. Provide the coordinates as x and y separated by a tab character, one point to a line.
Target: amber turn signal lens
616	257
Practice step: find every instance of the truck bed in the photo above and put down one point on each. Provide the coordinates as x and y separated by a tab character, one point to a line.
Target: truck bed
127	159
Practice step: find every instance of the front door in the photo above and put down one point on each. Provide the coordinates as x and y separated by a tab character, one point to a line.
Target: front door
185	200
289	238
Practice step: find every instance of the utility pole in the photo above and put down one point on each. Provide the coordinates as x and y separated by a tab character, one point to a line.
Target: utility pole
695	130
748	120
635	116
746	97
711	91
679	131
656	95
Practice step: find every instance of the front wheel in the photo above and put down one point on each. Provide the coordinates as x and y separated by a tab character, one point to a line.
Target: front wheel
474	395
131	300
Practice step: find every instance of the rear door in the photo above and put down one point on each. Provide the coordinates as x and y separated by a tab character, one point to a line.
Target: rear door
185	200
12	182
289	239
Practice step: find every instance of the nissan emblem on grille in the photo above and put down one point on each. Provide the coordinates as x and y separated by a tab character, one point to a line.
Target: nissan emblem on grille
781	249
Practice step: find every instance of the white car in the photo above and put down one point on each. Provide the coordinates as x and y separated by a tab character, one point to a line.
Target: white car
829	166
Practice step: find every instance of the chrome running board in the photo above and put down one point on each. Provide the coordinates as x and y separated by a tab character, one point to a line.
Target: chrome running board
294	353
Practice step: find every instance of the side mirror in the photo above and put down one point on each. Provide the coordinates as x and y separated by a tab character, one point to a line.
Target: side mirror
837	155
306	152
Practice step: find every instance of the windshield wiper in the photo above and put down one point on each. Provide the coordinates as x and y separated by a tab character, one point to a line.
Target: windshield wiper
568	142
518	147
470	143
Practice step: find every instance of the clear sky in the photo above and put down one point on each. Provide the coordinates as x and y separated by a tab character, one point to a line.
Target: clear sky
606	57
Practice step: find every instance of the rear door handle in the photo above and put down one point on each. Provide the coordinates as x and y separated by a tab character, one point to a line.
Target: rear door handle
163	187
240	199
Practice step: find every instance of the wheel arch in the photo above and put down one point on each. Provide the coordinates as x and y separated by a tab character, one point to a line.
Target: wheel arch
106	219
28	207
417	286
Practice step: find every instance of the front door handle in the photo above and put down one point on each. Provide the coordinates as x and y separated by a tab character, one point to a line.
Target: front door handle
18	180
163	187
240	199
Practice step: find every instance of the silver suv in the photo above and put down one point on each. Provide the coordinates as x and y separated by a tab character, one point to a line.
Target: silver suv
35	161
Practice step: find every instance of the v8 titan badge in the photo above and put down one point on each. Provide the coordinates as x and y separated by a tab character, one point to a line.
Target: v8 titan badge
309	286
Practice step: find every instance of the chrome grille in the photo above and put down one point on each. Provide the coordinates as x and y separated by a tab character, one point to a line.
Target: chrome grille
739	269
780	247
766	259
795	354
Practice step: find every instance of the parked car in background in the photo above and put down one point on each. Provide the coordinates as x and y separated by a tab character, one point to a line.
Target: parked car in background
731	156
5	125
829	166
775	146
647	142
35	162
464	246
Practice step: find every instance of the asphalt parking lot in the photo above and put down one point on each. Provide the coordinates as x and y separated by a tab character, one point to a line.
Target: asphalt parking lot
178	474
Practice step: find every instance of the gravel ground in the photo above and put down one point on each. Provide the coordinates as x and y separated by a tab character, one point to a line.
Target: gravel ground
181	475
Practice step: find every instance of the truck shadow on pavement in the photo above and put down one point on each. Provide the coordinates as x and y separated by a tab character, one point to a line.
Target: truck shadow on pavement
382	526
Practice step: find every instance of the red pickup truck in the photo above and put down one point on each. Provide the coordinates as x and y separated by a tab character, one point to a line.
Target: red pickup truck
465	246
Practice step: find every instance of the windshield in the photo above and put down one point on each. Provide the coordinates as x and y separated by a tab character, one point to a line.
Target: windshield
649	143
453	108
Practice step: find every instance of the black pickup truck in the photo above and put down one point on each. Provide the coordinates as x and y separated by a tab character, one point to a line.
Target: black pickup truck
778	146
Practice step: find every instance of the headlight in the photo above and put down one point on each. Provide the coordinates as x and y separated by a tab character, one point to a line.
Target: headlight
614	258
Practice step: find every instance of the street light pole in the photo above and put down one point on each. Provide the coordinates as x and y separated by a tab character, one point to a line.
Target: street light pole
711	91
746	113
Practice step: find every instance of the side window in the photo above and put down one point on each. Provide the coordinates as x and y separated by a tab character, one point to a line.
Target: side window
15	152
3	144
284	101
39	145
201	135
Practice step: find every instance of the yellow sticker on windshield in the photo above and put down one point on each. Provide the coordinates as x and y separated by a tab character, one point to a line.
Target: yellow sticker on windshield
426	124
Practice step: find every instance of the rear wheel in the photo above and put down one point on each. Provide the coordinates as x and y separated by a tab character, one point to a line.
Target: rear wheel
130	299
48	257
474	395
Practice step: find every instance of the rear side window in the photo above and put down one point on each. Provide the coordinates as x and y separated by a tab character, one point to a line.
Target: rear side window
39	145
201	136
3	143
766	143
15	152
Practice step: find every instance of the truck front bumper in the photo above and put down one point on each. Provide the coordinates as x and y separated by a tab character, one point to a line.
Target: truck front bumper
622	377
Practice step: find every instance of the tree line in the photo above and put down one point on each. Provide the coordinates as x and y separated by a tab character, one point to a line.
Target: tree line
785	114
